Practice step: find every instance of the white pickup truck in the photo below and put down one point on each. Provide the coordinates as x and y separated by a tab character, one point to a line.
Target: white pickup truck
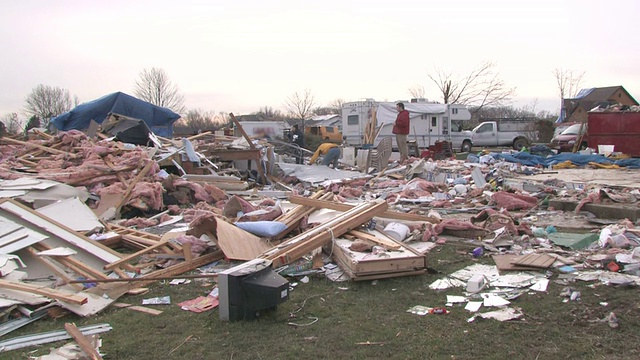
515	133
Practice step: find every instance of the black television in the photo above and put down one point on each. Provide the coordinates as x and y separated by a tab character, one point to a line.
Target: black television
248	289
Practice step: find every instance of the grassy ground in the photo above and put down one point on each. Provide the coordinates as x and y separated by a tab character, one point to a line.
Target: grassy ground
369	320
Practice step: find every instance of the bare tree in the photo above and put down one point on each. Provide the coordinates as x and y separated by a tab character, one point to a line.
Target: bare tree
270	113
568	82
481	87
223	118
336	104
417	92
13	124
45	102
198	120
300	105
154	86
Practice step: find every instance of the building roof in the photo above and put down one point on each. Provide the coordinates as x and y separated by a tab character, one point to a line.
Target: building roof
592	97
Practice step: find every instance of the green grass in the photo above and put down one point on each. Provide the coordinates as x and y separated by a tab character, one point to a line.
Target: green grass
374	313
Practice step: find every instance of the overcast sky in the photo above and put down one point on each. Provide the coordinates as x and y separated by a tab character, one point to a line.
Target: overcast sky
237	56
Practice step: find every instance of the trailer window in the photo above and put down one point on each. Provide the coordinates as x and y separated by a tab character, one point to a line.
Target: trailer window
434	121
352	120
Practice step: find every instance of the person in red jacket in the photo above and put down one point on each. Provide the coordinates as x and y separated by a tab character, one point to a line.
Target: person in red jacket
401	129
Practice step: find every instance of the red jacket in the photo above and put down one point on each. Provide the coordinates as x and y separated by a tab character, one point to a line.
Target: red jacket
401	126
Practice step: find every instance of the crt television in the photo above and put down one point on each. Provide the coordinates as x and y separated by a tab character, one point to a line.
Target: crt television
248	289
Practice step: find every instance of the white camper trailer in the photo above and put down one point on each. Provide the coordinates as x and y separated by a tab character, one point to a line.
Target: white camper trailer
430	122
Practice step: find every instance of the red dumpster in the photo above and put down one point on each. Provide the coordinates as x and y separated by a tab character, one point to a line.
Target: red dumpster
620	129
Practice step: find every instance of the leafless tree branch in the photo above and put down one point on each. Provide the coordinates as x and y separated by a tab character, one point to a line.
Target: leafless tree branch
568	82
300	105
45	102
154	86
481	87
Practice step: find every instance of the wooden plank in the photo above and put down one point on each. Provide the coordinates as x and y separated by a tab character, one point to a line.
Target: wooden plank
127	194
389	275
386	243
183	267
48	292
143	309
345	207
134	255
38	146
252	146
304	243
82	341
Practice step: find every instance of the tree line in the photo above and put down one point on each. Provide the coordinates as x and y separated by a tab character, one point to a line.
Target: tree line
482	90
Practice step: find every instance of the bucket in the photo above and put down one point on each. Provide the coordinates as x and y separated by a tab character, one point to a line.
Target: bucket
397	230
606	150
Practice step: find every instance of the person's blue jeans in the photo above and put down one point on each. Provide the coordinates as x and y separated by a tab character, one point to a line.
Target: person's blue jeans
332	157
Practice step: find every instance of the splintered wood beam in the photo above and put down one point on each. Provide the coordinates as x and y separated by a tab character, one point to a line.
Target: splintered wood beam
132	185
301	200
386	243
135	255
41	147
82	341
251	145
44	291
304	243
205	133
241	129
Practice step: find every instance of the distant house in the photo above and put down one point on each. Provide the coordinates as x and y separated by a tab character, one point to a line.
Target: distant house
325	120
576	109
253	117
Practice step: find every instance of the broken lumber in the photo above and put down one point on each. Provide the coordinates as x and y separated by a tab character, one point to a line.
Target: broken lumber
44	291
82	341
345	207
306	242
385	243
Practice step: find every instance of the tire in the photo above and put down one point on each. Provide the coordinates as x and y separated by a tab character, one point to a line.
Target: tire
466	146
519	143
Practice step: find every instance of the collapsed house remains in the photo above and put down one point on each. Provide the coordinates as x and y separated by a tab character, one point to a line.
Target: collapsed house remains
86	219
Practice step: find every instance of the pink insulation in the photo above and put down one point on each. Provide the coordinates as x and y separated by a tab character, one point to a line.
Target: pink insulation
512	201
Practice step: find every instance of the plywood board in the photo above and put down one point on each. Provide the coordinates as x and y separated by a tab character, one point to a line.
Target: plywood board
238	244
541	261
504	263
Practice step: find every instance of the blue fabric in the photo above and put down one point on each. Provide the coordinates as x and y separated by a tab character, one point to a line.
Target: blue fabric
528	159
159	120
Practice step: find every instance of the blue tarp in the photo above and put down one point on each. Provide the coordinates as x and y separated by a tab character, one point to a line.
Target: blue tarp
159	120
525	158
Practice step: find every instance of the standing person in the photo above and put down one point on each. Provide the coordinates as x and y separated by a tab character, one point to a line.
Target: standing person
401	129
331	154
298	139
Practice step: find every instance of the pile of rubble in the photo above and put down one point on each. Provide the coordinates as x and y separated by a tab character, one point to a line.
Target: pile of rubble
85	220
